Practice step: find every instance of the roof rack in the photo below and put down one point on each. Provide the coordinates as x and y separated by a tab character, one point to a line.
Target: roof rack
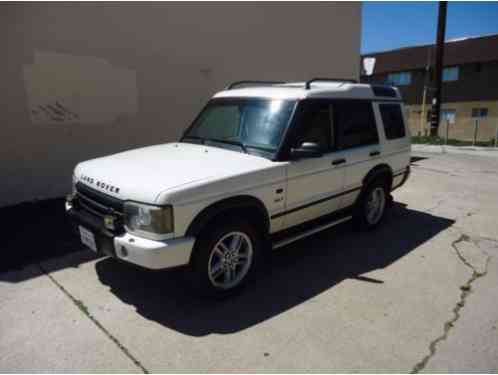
238	83
307	85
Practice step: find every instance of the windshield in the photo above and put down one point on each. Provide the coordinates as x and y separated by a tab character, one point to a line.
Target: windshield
247	123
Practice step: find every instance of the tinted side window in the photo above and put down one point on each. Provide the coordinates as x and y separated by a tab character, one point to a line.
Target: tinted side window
315	125
393	120
356	124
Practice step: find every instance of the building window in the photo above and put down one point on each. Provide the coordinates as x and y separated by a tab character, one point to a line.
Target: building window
479	112
448	115
450	74
399	79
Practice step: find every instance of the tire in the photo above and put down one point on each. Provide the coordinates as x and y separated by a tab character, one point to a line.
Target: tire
365	216
215	269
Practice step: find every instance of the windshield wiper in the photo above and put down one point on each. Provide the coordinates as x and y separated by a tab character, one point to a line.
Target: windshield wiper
194	137
267	149
227	141
230	142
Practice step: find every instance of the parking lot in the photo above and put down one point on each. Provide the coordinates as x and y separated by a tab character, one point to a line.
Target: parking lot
418	294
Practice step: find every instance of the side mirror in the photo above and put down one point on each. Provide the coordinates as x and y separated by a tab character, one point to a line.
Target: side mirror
306	150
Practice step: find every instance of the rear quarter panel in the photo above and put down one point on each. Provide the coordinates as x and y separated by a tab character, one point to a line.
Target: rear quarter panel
395	152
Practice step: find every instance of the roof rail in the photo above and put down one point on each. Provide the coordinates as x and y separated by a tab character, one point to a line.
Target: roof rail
308	83
232	85
384	90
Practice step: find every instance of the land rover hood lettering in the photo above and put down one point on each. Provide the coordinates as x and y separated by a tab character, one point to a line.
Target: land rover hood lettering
142	174
100	184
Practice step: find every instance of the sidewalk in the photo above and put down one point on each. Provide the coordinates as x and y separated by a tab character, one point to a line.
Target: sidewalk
466	150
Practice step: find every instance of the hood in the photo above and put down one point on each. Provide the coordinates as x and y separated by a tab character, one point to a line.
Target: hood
142	174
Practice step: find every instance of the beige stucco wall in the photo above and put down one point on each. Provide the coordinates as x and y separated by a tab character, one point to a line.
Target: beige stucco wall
464	126
85	80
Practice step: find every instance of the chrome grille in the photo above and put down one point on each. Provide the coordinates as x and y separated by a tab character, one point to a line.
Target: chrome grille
98	204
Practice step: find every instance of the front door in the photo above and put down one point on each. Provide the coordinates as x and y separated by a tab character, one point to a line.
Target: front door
314	185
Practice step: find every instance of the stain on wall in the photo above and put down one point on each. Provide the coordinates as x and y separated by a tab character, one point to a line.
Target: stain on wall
86	80
68	89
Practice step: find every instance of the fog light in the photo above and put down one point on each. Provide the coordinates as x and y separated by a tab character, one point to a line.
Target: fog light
109	221
124	252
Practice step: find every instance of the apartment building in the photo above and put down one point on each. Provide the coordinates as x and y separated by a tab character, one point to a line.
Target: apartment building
469	102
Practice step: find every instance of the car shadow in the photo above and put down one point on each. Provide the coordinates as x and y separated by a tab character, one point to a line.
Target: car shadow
33	232
298	272
415	159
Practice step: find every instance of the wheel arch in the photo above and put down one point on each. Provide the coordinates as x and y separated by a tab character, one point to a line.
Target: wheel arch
380	170
253	207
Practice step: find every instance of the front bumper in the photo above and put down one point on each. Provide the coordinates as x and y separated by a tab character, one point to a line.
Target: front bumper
147	253
154	254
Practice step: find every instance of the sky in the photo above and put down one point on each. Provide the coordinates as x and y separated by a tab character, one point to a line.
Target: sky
391	25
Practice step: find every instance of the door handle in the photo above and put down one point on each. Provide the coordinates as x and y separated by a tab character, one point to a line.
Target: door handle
375	153
338	161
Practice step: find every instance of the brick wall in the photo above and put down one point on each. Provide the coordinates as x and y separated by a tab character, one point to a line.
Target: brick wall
464	126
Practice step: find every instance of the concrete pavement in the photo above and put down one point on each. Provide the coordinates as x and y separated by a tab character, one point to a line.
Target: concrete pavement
461	150
418	294
43	330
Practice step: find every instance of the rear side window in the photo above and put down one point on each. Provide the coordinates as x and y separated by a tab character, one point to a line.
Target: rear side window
392	118
356	123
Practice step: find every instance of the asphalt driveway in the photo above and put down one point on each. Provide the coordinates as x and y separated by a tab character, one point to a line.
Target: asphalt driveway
418	294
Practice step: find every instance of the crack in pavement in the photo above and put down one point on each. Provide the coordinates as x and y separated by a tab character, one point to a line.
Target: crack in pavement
81	306
432	169
466	289
440	171
438	204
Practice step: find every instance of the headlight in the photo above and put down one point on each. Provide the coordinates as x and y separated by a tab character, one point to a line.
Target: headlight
154	220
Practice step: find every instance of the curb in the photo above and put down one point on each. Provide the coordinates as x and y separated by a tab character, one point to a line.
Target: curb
465	150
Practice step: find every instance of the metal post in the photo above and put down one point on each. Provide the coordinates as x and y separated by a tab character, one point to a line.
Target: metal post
441	28
422	115
475	131
447	126
496	133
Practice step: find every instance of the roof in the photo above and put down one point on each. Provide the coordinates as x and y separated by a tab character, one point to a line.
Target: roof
456	52
297	90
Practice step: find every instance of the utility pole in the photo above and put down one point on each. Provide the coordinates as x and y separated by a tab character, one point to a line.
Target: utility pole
423	119
436	104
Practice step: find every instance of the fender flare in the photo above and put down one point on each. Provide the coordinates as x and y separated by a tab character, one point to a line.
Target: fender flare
215	209
377	171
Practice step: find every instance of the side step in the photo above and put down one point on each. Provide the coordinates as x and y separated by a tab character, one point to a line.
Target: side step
309	232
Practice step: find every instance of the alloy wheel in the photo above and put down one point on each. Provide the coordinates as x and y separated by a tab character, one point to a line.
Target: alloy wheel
230	260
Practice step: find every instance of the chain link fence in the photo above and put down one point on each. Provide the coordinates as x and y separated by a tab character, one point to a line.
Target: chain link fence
464	131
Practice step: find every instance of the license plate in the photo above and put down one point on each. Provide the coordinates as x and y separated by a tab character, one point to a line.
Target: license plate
87	238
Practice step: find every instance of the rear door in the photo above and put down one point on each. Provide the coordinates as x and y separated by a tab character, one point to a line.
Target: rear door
314	184
359	141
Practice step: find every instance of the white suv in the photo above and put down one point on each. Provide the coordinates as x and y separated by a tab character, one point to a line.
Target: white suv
262	165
